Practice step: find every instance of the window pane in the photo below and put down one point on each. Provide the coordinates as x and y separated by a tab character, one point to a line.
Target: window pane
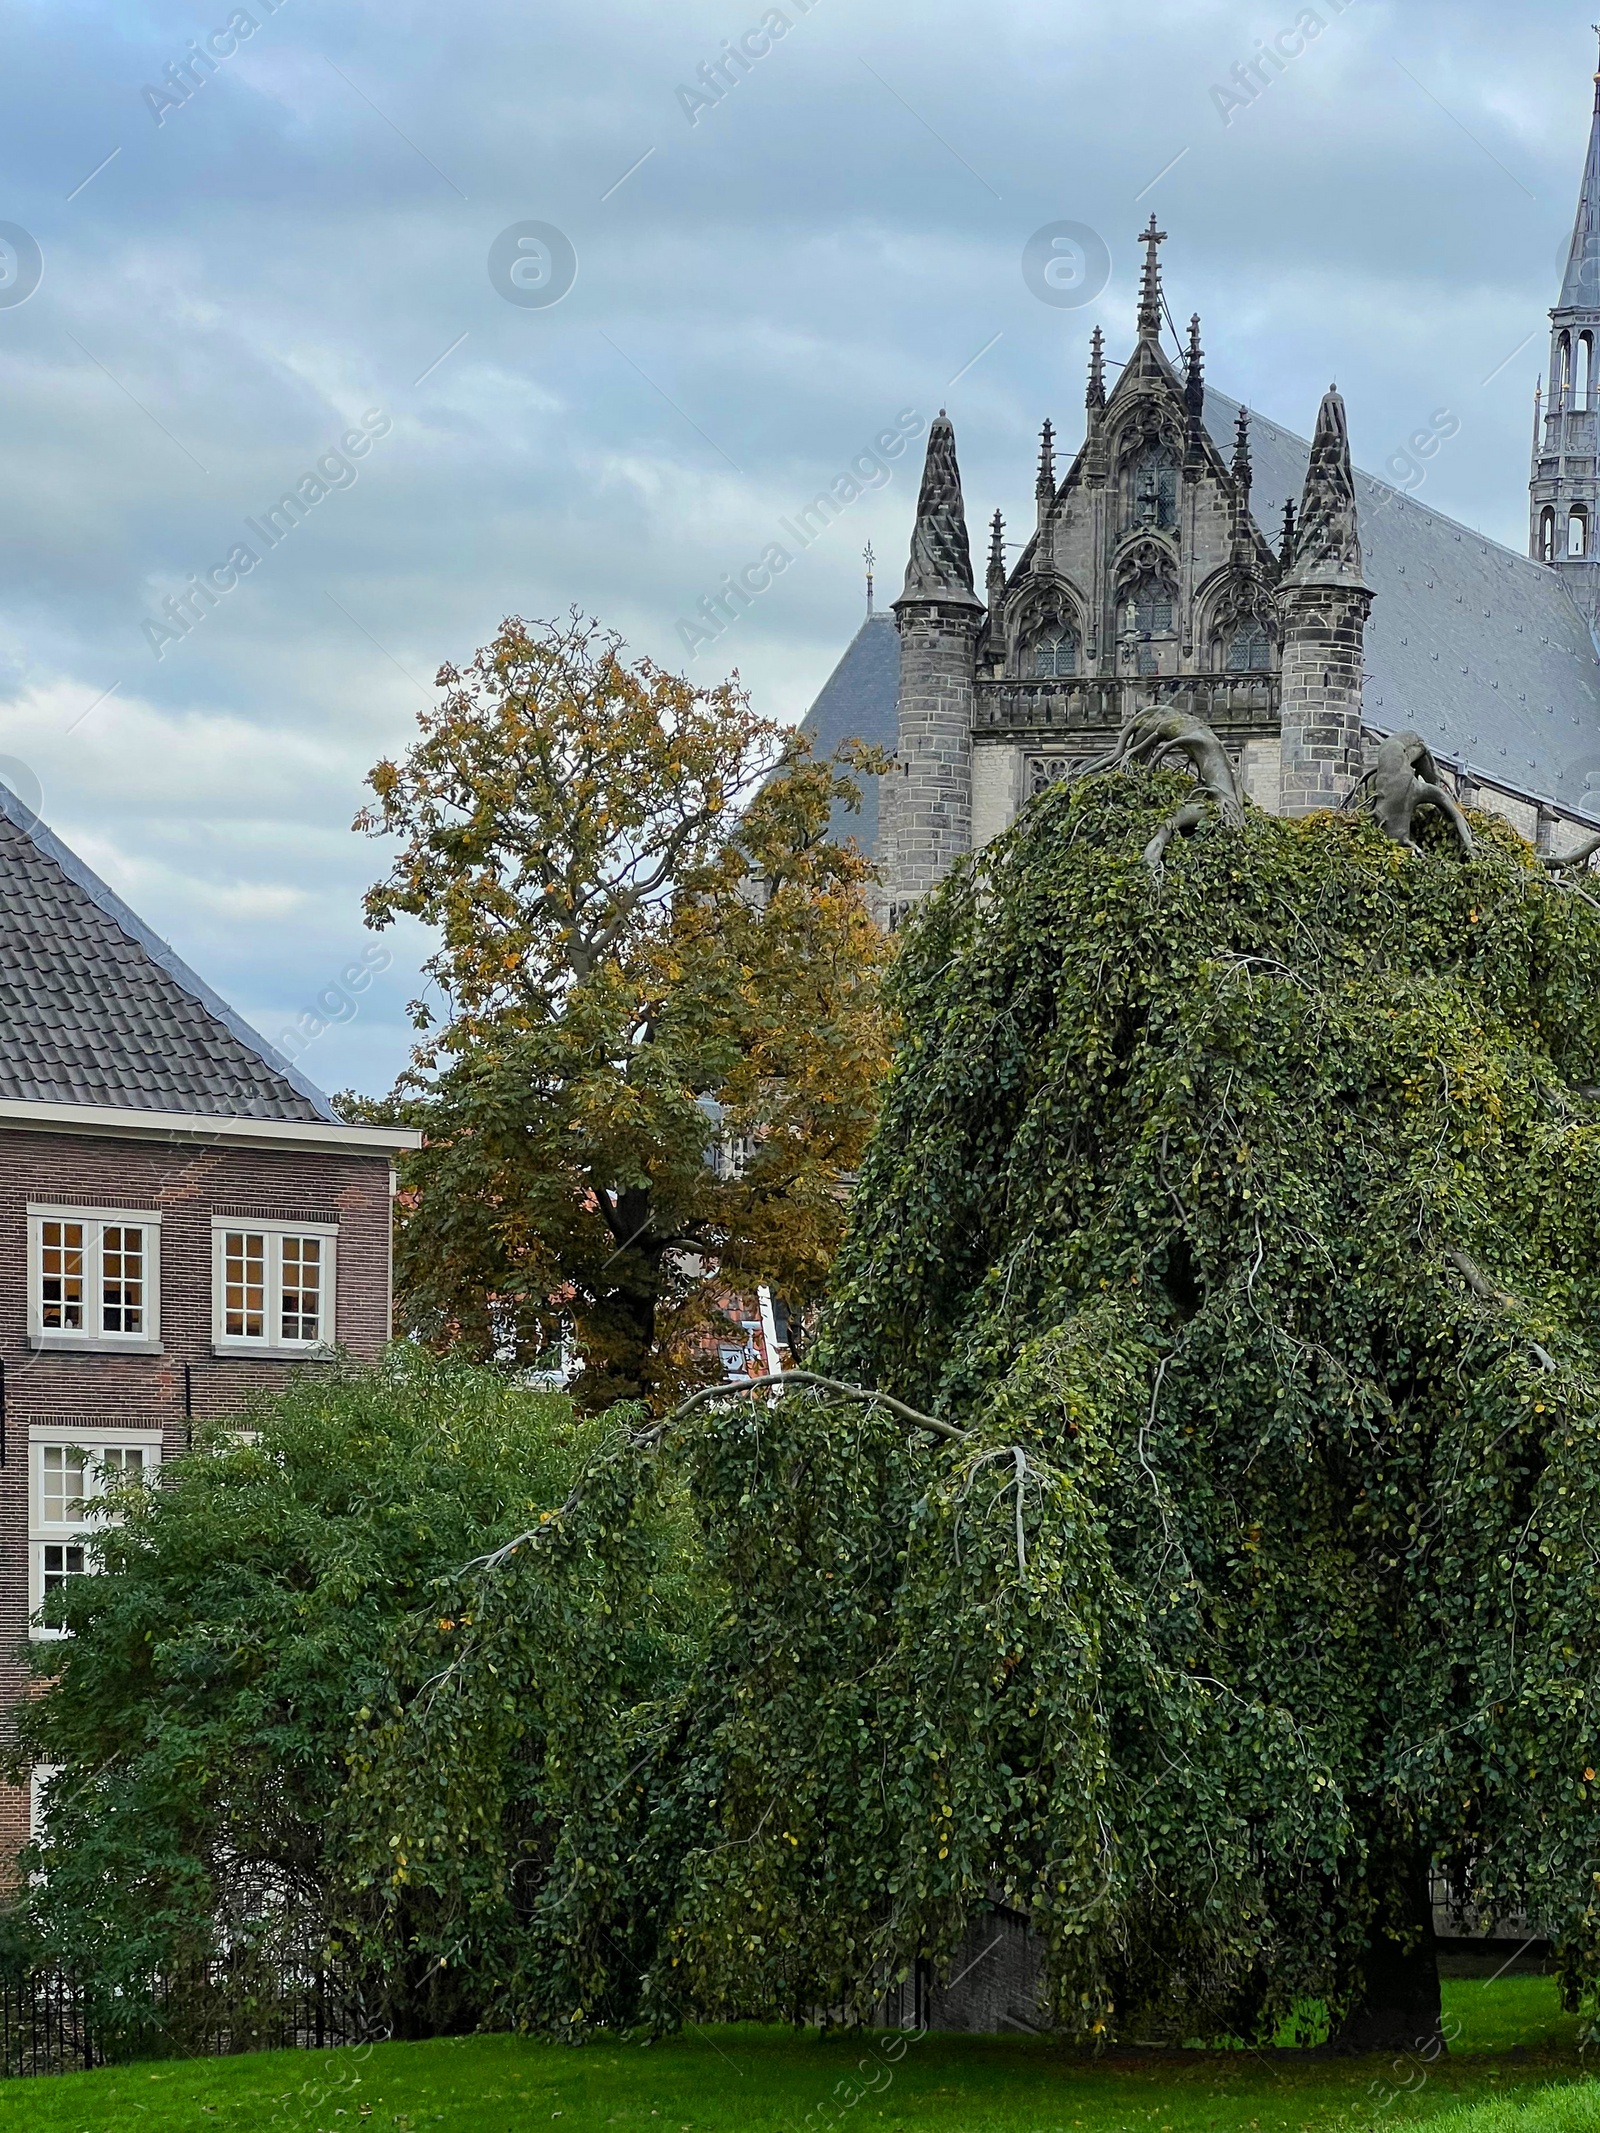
302	1288
120	1460
61	1561
122	1280
61	1270
1056	653
63	1487
1155	487
244	1285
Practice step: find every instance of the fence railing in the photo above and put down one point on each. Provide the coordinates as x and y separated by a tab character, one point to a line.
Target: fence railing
50	2023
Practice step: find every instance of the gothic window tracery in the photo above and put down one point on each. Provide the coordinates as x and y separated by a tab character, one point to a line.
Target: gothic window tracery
1047	770
1149	610
1153	486
1055	651
1241	631
1147	600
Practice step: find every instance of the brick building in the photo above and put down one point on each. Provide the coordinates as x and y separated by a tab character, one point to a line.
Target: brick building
184	1219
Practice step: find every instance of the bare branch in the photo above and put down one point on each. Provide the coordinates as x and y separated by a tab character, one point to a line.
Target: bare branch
650	1439
1476	1280
745	1386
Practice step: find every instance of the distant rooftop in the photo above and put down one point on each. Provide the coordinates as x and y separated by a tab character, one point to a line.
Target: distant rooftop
95	1009
857	702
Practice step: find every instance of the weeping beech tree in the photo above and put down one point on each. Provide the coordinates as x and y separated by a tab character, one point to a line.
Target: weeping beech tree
1240	1231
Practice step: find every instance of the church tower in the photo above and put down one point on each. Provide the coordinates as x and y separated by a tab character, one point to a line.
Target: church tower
928	801
1565	488
1324	601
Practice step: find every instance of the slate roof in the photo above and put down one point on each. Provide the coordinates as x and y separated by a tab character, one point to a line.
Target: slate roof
1480	650
96	1009
1581	282
1477	648
857	703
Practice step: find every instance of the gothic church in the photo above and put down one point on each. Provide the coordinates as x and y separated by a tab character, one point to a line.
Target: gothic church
1149	578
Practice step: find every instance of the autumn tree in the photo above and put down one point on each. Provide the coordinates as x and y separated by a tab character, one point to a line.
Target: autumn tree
660	1037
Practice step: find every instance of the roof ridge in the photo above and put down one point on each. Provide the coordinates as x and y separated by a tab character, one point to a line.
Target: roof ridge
105	899
1403	496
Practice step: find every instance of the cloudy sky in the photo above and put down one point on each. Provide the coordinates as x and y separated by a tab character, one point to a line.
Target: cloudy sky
236	274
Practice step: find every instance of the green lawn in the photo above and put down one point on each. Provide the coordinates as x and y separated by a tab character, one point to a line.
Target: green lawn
1512	2039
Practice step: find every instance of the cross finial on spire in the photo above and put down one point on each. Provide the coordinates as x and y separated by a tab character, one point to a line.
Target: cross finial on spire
869	559
1150	283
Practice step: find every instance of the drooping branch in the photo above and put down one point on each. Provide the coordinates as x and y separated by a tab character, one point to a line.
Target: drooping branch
1152	734
1477	1281
858	1393
650	1439
1580	855
1486	1292
1403	780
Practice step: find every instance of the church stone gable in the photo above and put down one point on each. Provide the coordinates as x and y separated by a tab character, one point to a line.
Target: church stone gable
1145	578
1145	562
1145	584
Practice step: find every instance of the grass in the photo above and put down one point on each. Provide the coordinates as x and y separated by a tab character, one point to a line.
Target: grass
1513	2042
1572	2109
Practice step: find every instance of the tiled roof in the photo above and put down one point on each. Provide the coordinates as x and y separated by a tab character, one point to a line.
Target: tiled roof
96	1009
857	703
1580	285
1480	650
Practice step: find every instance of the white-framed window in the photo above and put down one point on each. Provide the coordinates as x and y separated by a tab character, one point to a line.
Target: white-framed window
67	1483
273	1284
94	1277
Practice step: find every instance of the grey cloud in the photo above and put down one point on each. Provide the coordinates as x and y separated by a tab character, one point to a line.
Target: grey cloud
824	244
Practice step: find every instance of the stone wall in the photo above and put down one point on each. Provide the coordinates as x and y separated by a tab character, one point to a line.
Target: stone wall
928	801
1321	695
997	795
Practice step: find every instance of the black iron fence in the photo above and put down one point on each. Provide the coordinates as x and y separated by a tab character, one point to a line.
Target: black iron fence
51	2023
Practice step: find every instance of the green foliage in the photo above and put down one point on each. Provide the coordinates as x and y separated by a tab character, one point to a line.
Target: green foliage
200	1710
651	949
1247	1223
1246	1120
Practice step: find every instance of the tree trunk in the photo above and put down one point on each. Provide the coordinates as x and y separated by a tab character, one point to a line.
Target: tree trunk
1397	2009
621	1321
